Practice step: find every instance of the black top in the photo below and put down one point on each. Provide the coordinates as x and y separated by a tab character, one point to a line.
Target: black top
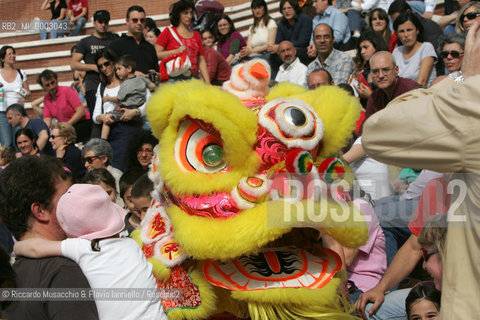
143	54
56	11
50	273
73	160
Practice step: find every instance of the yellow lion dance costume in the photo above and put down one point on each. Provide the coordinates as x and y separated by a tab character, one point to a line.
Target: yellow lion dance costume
242	191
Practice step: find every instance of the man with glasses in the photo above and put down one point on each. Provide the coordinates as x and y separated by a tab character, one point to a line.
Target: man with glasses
134	44
63	104
339	64
86	49
389	85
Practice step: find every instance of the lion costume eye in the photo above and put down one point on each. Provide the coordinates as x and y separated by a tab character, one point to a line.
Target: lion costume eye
293	122
199	147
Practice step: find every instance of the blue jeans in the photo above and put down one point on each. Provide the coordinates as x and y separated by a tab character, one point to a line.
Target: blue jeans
394	216
355	20
392	308
6	137
417	6
79	24
59	28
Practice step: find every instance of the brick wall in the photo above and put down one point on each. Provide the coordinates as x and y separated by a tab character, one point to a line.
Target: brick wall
29	9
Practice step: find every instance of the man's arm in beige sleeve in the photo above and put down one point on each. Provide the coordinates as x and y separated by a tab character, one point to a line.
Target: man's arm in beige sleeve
429	129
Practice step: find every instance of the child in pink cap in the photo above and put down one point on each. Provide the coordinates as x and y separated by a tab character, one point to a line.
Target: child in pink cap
92	223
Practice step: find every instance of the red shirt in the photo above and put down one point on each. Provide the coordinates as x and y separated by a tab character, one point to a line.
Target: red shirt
193	44
77	5
64	105
434	200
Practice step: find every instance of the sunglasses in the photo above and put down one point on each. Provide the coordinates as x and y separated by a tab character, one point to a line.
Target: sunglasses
428	253
469	16
135	20
105	64
55	136
89	159
453	53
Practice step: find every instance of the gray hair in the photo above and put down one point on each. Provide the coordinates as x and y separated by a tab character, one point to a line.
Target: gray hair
379	53
100	147
451	38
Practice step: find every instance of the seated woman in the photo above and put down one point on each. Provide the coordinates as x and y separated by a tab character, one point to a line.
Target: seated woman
58	8
181	18
261	34
230	41
62	138
379	22
295	27
98	153
451	50
218	68
25	141
467	15
415	58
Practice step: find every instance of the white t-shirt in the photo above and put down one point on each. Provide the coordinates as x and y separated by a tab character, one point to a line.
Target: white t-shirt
295	73
120	263
411	67
260	37
11	94
107	106
371	175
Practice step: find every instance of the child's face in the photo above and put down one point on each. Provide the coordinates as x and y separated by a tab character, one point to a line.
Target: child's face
422	310
122	71
127	199
141	205
112	193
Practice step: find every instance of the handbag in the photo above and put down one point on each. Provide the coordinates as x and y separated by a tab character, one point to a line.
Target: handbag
177	64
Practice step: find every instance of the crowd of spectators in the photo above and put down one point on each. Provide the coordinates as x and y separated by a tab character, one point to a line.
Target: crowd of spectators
376	49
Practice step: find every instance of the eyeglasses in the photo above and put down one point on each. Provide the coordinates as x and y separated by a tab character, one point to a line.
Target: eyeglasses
105	64
428	253
89	159
376	72
455	54
146	150
135	20
469	16
55	136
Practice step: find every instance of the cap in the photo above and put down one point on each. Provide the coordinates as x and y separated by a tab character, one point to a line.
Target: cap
86	211
101	15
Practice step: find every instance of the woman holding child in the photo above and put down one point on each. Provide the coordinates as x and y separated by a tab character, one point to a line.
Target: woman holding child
127	124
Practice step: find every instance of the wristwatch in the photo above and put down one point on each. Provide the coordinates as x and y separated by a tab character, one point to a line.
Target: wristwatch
457	76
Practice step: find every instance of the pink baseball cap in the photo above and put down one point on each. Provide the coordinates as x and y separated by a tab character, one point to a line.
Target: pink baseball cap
86	211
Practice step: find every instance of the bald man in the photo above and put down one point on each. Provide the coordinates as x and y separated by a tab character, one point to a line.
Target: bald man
292	70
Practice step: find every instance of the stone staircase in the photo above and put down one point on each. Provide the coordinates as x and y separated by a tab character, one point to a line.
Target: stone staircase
34	55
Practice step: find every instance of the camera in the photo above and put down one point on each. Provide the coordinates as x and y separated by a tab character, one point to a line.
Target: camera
152	76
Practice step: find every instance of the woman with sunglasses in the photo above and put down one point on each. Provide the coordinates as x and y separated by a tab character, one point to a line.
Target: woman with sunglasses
62	138
467	15
121	131
451	50
98	153
432	239
415	59
181	18
378	21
